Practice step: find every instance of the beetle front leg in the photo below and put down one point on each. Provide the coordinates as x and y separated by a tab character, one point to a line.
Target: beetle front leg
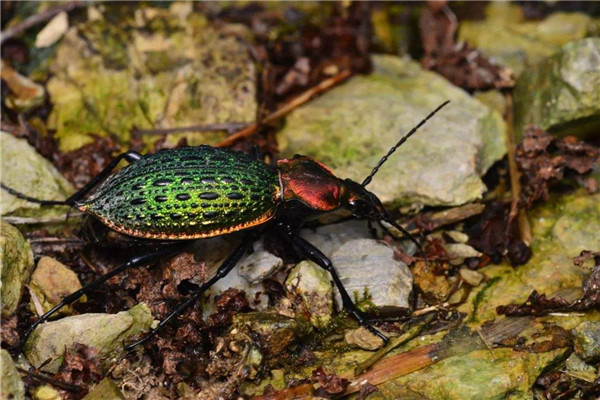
315	255
223	270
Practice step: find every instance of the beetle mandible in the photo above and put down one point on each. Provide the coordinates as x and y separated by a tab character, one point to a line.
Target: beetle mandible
190	193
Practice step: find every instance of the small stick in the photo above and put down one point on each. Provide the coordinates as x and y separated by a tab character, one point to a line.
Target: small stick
230	127
286	109
515	176
394	342
38	19
54	382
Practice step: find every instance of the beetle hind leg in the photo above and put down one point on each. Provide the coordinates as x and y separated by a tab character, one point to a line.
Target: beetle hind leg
315	255
223	270
70	299
130	156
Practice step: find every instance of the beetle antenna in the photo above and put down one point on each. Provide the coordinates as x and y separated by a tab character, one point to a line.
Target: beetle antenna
400	143
405	233
37	201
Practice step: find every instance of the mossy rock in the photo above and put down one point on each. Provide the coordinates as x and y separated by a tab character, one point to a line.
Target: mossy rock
17	262
562	93
163	68
26	171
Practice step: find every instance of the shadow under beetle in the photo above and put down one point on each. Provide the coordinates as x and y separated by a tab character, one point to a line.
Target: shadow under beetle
191	193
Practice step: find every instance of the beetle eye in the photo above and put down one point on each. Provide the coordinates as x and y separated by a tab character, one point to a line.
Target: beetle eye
360	207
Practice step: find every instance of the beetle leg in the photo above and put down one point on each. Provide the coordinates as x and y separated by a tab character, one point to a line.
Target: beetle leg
223	270
134	262
131	156
315	255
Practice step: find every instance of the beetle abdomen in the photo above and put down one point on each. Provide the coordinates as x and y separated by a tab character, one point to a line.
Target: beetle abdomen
186	193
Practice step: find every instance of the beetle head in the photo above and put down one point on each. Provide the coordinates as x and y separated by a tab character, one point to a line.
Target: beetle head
362	203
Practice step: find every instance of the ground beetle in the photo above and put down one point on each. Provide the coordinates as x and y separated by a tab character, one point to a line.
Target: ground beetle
190	193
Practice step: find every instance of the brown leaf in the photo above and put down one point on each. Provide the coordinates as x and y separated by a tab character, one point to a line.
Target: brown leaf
458	62
544	159
539	304
331	383
80	367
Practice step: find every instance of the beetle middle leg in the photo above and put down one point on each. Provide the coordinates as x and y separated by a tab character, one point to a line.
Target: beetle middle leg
315	255
223	270
163	251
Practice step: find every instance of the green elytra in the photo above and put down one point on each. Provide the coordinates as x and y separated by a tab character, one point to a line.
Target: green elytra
189	192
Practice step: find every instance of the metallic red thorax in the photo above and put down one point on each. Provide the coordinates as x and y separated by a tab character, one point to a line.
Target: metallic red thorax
310	182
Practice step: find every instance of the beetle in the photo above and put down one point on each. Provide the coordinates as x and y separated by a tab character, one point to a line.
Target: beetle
189	193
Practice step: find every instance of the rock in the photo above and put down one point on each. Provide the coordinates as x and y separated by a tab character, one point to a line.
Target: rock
312	285
586	337
28	172
561	228
11	384
329	238
473	278
53	31
512	41
254	267
575	367
105	332
17	262
25	93
459	251
457	236
272	333
51	281
259	265
441	165
578	225
435	287
106	389
46	392
164	68
369	264
362	338
562	93
483	374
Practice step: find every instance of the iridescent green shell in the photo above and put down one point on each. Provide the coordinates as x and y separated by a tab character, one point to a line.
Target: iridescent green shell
186	193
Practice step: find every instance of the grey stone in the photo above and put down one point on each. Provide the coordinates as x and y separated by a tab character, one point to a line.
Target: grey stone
246	276
259	265
23	169
11	384
105	332
329	238
370	264
353	125
313	285
16	259
586	337
562	93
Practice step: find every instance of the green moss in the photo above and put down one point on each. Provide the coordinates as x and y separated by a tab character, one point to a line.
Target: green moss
481	296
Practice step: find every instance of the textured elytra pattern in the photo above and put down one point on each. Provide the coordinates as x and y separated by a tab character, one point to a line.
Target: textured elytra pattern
185	193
